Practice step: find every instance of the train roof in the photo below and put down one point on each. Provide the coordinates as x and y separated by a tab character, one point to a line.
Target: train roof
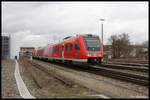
68	38
65	39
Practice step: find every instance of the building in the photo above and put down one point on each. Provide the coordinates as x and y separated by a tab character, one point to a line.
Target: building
107	51
26	51
5	47
139	51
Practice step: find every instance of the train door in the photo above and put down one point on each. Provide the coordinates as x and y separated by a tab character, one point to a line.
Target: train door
62	53
45	51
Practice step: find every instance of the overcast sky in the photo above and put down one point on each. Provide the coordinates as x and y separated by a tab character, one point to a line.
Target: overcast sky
40	23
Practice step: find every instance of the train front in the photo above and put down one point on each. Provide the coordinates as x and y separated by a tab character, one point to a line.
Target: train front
94	48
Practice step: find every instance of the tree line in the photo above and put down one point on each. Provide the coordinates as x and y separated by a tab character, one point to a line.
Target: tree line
121	45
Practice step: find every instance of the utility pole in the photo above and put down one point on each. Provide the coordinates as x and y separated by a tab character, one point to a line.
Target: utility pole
102	33
102	20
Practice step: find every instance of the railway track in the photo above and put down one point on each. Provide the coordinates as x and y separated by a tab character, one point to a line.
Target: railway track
125	67
137	79
131	64
64	81
133	78
63	67
128	61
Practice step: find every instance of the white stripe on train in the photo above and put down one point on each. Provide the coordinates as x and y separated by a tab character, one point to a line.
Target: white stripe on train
76	60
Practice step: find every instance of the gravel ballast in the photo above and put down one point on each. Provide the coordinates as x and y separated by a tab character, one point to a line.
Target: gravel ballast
101	86
42	85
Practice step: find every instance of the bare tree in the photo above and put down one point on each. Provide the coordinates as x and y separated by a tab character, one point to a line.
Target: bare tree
120	45
113	42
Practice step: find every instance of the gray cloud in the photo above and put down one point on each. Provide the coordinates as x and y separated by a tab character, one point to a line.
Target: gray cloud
42	21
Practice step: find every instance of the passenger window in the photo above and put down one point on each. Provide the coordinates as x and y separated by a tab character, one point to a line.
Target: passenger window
54	49
66	47
70	47
57	48
49	50
77	45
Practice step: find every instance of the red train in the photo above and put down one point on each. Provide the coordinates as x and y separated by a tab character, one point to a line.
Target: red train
85	48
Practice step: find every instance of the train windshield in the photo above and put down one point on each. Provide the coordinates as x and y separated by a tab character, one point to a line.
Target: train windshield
92	43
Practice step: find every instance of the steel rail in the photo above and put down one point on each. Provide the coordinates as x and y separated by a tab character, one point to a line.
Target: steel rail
116	66
140	80
132	64
65	69
129	61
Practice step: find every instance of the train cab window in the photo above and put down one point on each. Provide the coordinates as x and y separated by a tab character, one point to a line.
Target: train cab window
66	47
70	47
76	45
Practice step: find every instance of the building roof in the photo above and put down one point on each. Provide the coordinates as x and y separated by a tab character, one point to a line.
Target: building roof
27	47
138	46
107	47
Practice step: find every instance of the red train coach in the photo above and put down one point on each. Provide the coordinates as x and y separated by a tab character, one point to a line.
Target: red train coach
85	48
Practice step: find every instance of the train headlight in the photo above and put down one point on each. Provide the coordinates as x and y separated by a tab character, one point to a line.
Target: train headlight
89	55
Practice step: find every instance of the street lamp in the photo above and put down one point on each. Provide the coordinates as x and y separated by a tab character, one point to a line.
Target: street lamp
102	20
